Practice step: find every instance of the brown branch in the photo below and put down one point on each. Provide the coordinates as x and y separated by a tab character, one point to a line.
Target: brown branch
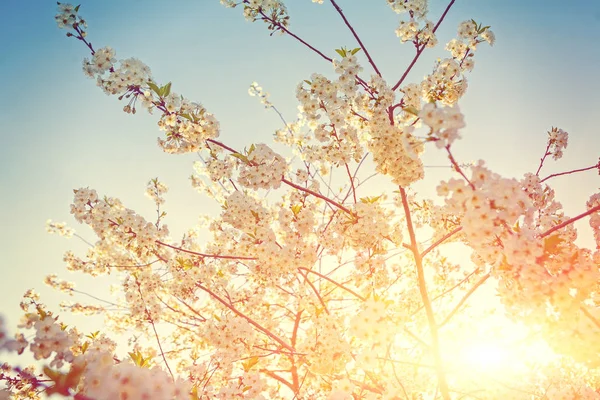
433	329
284	29
320	196
334	282
420	50
203	254
570	221
457	167
439	241
362	46
250	320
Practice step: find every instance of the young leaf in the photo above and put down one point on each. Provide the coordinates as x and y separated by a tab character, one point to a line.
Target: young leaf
166	89
154	87
341	52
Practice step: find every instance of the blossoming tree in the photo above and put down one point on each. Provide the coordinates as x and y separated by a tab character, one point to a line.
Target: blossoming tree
314	284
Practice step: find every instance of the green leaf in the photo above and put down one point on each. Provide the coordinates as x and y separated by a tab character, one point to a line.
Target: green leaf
166	89
341	52
354	51
154	87
309	82
370	199
77	8
240	157
411	110
252	148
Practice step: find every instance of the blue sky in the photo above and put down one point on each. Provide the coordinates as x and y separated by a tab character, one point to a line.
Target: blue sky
60	132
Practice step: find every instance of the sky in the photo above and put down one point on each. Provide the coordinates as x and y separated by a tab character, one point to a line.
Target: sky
60	132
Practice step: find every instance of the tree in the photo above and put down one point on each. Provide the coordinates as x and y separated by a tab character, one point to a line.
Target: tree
314	283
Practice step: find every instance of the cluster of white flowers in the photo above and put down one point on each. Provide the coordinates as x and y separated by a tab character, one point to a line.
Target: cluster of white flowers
186	124
327	349
557	142
475	34
594	201
263	169
67	17
444	123
416	8
116	225
50	338
338	141
273	12
103	60
256	90
410	31
60	228
155	190
105	380
369	228
370	323
395	150
216	169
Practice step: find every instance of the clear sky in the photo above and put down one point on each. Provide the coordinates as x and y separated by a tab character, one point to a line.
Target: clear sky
60	132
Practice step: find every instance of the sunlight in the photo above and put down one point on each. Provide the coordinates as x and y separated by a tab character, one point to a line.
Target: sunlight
486	355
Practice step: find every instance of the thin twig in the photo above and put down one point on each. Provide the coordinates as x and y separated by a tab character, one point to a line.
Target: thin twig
464	299
596	166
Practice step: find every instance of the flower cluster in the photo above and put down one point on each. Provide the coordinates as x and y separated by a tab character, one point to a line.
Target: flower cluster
67	17
557	142
409	31
444	123
60	228
155	190
116	225
256	90
105	380
416	8
594	201
262	168
272	12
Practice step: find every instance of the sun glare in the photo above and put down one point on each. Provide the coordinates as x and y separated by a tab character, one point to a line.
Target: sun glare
486	355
